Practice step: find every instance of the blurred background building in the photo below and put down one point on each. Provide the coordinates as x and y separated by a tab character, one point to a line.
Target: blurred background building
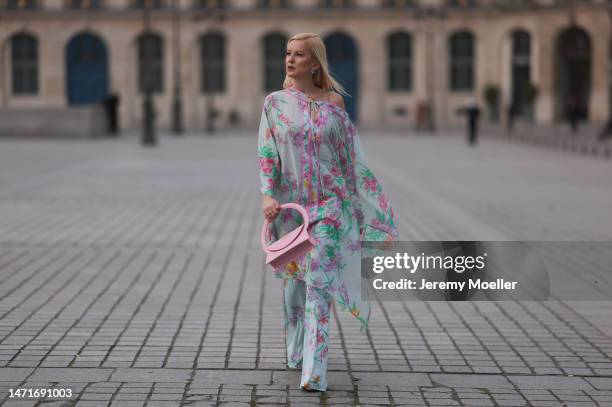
405	62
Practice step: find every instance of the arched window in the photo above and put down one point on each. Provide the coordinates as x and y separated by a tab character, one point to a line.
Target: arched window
24	63
573	73
213	63
274	61
399	57
462	61
150	62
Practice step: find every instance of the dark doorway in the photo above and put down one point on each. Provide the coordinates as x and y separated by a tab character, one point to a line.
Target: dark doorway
521	73
573	73
87	69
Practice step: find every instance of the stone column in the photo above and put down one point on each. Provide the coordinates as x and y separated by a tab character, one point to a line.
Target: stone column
53	4
599	32
371	65
544	48
117	4
4	76
52	63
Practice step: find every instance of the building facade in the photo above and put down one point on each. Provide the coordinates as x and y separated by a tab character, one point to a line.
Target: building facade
401	60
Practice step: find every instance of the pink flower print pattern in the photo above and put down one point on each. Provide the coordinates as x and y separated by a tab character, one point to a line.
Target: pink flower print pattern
316	161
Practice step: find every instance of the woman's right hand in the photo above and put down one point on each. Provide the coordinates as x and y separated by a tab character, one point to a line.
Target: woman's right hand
271	208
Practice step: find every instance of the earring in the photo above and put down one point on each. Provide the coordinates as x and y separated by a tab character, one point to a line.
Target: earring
313	71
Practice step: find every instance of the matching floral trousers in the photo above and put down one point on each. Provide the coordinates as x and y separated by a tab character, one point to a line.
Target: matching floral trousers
307	314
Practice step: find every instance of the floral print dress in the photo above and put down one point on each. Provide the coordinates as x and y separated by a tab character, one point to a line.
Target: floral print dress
310	154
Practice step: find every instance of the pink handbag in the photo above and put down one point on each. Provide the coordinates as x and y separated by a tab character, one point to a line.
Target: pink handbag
292	245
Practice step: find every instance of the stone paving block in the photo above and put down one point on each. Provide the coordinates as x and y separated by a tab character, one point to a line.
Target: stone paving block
373	400
393	380
550	382
20	403
151	375
435	403
89	403
14	374
128	397
470	380
70	375
600	383
292	378
126	403
96	396
208	377
477	402
167	397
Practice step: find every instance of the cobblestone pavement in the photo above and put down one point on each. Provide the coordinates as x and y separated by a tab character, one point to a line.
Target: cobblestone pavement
586	141
134	276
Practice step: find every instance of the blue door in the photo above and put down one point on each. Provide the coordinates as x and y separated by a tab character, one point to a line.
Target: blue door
87	69
343	61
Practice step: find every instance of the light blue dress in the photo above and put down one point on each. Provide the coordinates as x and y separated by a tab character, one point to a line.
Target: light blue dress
309	153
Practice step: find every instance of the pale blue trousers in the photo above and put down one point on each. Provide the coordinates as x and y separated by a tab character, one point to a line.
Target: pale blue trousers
307	314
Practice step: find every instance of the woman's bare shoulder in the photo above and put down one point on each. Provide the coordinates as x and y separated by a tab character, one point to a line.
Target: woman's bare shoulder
336	99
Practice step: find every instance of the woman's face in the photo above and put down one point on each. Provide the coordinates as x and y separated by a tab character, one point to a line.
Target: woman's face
299	61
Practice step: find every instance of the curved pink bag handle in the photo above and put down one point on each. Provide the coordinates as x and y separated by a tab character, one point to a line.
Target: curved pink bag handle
266	226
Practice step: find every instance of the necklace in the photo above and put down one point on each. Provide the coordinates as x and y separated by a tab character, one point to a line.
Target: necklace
309	96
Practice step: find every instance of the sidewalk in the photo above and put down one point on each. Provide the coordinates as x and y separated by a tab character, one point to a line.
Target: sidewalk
133	276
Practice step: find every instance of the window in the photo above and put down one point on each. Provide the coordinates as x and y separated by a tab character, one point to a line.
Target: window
398	3
274	61
20	4
462	61
24	62
148	4
150	63
521	72
84	4
399	56
336	3
274	3
213	63
462	3
521	46
210	4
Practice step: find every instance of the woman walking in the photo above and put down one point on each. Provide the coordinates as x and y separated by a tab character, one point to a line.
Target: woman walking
309	154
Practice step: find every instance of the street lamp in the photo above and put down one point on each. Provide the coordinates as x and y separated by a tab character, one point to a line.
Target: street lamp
177	105
211	114
148	128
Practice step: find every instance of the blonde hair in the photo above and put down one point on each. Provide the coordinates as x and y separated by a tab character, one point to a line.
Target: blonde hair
323	77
